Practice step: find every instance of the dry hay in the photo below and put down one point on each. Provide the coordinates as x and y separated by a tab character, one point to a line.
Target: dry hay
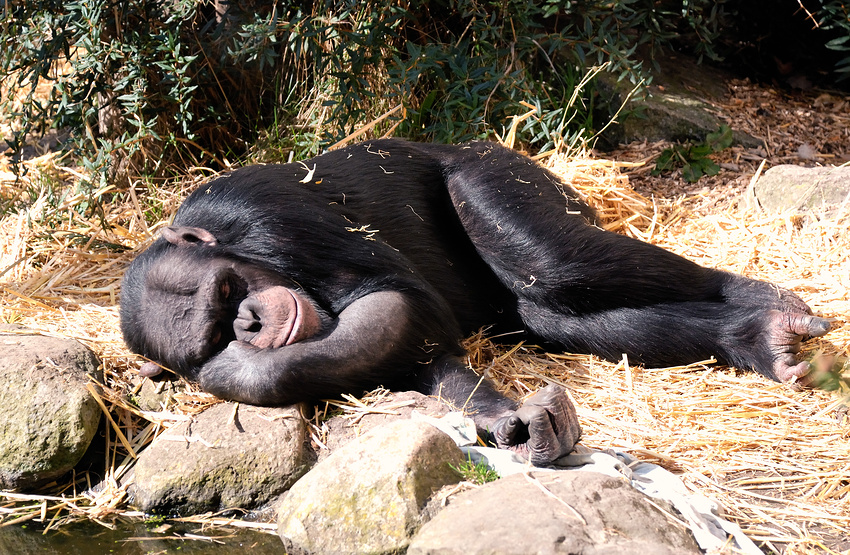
776	458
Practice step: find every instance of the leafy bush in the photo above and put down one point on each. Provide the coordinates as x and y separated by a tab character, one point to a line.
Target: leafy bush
834	17
141	84
694	159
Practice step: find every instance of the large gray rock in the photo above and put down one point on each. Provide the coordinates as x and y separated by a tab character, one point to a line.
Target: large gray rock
554	512
397	406
368	496
47	416
217	461
678	106
788	187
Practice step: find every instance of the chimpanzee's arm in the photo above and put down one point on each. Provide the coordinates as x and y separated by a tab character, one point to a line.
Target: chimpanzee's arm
542	430
371	339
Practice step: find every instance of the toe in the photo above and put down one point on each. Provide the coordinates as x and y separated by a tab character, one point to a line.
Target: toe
790	370
808	326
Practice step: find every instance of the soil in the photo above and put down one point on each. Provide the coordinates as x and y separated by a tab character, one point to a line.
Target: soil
806	128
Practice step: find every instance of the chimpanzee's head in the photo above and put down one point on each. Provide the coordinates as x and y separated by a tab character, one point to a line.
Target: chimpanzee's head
186	297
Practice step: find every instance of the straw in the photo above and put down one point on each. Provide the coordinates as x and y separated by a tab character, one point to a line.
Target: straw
778	460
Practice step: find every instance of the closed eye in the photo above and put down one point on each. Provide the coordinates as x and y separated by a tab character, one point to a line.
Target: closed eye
215	335
231	291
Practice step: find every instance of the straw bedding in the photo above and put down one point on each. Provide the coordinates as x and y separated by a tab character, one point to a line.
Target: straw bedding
777	459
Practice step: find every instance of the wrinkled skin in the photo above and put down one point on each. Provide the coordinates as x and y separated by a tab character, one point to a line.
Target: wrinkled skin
787	321
786	332
543	429
367	265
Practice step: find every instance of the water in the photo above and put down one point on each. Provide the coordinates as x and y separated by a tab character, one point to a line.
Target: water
132	538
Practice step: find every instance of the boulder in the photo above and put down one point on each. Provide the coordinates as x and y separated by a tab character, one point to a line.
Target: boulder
820	190
397	406
553	512
48	417
678	105
229	456
368	496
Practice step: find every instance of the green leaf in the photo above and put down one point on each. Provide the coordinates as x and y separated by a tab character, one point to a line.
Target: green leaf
720	139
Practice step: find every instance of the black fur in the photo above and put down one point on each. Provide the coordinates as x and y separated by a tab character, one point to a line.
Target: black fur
457	237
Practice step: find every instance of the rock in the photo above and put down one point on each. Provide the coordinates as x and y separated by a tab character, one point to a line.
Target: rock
155	396
677	107
787	187
397	406
672	117
218	462
47	416
367	496
552	512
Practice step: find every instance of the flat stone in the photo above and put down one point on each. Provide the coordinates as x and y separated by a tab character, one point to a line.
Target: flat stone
820	190
396	406
227	457
553	512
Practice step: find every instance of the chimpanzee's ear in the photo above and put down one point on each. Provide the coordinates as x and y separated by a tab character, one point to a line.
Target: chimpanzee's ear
188	236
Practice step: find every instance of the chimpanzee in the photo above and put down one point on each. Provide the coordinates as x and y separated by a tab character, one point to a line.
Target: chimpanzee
365	266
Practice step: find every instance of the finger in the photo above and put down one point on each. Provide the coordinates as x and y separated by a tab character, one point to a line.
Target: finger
559	406
543	443
789	369
530	423
506	430
540	431
811	326
150	369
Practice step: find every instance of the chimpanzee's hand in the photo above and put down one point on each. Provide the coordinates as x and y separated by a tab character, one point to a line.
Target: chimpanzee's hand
543	429
245	373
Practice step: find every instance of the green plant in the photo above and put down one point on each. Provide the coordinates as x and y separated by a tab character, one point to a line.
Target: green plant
834	17
133	80
829	373
141	84
152	521
477	473
694	158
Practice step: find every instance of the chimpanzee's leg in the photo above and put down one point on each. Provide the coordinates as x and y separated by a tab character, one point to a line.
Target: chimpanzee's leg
668	334
594	291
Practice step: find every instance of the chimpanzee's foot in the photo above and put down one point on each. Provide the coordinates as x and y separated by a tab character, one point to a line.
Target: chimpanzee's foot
785	333
744	291
543	429
787	322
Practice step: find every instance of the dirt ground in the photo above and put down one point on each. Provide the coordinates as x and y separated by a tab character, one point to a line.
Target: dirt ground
801	128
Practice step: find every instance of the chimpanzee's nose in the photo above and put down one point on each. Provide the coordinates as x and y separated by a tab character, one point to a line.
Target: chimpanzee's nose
248	322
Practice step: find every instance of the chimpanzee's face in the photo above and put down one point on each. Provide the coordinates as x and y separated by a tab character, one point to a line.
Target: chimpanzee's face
193	304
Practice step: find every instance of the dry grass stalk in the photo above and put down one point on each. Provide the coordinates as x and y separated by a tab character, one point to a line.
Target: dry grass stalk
600	184
775	458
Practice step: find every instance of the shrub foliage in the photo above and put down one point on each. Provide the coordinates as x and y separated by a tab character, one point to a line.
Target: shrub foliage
140	84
